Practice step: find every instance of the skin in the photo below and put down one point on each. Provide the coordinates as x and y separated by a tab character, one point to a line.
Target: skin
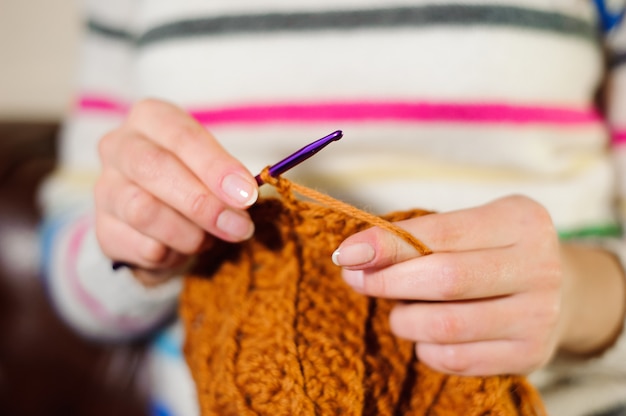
166	190
499	295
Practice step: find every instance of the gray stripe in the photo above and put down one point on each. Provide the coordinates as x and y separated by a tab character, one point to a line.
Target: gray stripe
109	32
617	411
425	16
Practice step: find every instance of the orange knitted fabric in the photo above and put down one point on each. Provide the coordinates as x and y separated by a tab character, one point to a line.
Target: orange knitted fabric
272	329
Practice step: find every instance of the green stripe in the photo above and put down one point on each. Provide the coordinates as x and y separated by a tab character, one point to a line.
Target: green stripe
398	17
607	230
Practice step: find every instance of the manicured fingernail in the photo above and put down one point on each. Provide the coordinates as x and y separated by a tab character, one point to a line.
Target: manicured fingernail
236	225
353	254
353	277
239	189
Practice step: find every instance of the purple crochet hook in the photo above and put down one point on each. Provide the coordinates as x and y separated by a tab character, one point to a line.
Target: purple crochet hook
300	156
279	168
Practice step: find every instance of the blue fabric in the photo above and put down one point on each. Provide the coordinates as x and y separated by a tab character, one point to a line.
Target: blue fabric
48	231
159	409
166	344
609	19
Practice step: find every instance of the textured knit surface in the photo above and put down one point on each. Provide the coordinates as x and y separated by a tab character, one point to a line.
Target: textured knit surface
272	329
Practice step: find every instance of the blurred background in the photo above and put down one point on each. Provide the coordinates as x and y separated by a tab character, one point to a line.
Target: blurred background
38	44
45	369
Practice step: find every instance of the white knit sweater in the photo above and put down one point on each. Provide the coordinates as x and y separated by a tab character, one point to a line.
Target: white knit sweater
458	102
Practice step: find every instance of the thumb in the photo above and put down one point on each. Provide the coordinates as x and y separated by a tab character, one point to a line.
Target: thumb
374	248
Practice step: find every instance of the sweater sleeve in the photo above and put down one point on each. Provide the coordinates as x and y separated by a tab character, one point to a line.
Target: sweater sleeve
616	103
614	24
97	301
600	382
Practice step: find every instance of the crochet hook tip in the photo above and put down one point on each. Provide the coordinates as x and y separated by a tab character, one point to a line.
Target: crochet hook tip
300	156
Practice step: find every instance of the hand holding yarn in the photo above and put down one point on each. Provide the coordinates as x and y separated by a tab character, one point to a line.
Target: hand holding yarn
487	301
272	330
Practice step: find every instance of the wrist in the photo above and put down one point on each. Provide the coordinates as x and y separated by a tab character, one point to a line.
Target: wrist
594	300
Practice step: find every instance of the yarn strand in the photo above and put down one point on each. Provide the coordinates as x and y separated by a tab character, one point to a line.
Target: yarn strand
285	188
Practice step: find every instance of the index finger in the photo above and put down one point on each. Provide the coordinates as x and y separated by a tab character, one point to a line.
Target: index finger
496	224
175	130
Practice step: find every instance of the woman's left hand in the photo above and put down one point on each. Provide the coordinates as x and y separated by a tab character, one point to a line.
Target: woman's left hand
487	301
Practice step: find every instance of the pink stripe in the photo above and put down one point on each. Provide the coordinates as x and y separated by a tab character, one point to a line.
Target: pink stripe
92	304
408	112
102	104
371	111
619	137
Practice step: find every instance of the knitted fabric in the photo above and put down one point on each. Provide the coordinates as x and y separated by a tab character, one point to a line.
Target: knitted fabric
272	329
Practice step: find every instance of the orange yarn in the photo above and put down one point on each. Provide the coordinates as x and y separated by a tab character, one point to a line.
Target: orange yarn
272	329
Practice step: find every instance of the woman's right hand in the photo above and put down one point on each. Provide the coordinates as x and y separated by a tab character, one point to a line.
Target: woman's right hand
166	189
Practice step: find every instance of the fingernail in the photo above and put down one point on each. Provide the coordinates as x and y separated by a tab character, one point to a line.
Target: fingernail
353	277
353	255
239	189
236	225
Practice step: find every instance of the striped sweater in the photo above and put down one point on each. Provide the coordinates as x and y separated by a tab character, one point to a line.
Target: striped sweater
443	104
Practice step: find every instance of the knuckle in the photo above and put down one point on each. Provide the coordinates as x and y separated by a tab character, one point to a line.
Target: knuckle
534	362
106	192
106	145
181	130
202	207
534	209
530	212
184	134
149	164
372	286
401	324
154	252
519	202
194	242
198	242
379	283
385	245
141	210
546	276
444	233
535	356
552	275
453	360
537	214
143	108
394	247
451	282
102	234
446	328
547	315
